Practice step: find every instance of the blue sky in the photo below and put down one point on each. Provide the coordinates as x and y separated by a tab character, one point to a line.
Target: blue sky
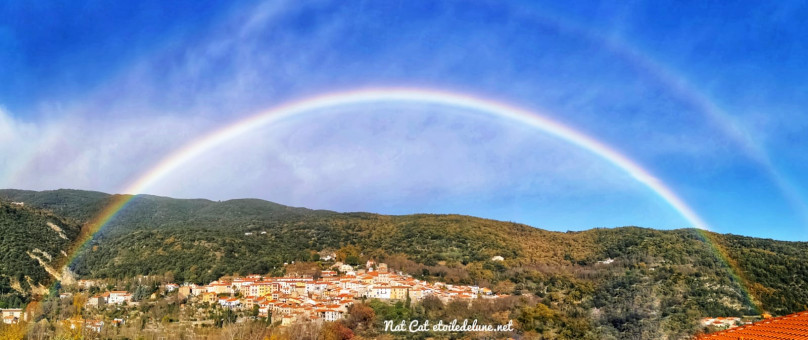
707	96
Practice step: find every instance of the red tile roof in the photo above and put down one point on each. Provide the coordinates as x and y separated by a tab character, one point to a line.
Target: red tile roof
789	327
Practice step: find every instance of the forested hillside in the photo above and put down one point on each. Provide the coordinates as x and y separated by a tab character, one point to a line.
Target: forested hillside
32	243
624	282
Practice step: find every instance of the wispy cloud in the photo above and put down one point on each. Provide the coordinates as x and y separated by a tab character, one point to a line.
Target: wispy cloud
85	153
392	158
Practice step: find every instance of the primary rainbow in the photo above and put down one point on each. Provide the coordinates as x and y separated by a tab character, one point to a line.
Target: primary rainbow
389	95
419	96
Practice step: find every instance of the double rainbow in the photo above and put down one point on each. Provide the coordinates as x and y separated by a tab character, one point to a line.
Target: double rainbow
534	119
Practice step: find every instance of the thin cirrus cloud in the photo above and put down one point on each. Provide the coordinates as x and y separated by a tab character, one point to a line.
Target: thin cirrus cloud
384	155
83	153
396	159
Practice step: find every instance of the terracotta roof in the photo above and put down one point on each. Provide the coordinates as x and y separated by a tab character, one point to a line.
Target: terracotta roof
789	327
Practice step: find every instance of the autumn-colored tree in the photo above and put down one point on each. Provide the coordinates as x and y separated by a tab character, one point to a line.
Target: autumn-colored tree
346	251
12	332
360	315
78	303
504	287
336	331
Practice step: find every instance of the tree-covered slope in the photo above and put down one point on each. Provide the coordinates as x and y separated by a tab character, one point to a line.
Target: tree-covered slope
76	204
776	272
611	283
33	247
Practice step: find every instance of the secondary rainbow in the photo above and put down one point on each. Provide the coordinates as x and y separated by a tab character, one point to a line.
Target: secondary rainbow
680	87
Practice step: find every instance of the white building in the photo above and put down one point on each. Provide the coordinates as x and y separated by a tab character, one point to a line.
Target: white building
12	315
119	297
331	314
380	292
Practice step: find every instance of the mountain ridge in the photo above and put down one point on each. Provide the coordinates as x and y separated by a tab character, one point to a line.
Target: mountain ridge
663	277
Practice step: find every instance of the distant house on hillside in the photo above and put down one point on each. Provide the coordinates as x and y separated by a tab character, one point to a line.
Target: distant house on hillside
97	300
94	325
327	255
12	315
86	284
721	322
119	297
170	287
230	303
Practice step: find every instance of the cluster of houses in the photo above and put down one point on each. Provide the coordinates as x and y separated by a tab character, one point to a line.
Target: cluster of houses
327	298
77	323
305	298
116	297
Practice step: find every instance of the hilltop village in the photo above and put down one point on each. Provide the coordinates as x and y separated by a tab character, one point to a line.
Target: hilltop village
284	301
192	278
